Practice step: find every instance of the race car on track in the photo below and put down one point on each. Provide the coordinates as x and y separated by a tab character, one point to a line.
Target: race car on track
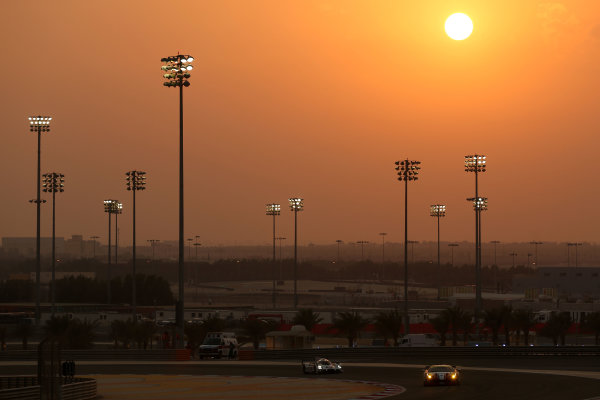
321	366
441	375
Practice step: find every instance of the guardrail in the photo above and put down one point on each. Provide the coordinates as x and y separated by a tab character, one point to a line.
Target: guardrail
27	388
390	354
99	355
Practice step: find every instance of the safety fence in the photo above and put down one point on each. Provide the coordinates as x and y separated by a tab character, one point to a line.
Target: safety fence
27	388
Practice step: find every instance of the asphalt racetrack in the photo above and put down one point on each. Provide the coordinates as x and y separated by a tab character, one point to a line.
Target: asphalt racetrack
478	381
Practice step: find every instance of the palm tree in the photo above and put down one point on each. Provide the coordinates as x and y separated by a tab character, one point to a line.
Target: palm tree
24	331
556	327
213	324
441	325
493	320
57	326
256	330
306	317
389	324
80	334
454	317
523	322
349	324
507	322
592	322
466	323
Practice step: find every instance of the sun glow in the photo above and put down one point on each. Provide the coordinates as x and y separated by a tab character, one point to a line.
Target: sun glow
459	26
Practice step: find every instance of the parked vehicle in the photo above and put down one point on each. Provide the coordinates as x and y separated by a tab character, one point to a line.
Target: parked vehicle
417	340
219	345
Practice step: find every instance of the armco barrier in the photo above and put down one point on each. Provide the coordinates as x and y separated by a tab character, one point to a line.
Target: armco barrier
26	388
396	354
99	355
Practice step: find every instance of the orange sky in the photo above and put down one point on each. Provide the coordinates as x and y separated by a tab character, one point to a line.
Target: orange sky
315	99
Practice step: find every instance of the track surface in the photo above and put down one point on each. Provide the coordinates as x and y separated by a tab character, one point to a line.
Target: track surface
477	384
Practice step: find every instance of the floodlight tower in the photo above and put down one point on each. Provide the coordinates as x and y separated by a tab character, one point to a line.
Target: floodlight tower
280	239
407	171
177	72
383	235
513	255
274	210
338	241
153	245
94	239
438	210
452	246
53	182
362	249
495	242
574	244
296	205
535	243
117	210
135	181
38	124
476	163
479	205
110	207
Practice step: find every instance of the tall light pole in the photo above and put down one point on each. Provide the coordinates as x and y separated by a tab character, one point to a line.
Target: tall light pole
177	73
536	251
338	241
479	205
452	246
280	238
495	242
110	207
135	181
153	245
569	245
437	211
274	210
94	244
118	210
412	250
296	205
38	124
407	171
513	254
476	163
196	244
382	234
53	182
362	249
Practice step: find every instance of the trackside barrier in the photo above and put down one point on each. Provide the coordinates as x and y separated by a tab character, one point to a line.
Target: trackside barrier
246	355
27	388
389	354
102	355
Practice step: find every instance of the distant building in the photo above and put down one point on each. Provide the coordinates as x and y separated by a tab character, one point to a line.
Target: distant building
25	246
575	281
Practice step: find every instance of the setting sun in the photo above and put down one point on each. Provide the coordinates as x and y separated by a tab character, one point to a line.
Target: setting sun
459	26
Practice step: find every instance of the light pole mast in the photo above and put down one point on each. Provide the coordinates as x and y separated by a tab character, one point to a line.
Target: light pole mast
438	210
38	124
476	163
274	210
296	205
407	171
177	74
382	234
110	207
53	182
136	180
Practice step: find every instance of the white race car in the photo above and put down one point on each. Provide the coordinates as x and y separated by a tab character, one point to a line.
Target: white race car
321	366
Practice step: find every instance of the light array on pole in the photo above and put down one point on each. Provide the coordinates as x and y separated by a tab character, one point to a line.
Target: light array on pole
273	209
53	182
39	124
408	170
479	203
177	70
475	163
296	204
113	206
437	210
136	180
